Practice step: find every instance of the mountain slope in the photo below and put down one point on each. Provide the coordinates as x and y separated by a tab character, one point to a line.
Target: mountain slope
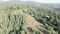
30	25
27	19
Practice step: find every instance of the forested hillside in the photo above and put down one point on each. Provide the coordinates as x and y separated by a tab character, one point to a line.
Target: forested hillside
28	19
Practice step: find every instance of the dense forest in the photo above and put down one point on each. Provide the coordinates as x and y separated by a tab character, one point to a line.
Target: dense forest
28	19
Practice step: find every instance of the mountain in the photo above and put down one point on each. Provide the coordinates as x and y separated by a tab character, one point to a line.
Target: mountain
50	6
29	18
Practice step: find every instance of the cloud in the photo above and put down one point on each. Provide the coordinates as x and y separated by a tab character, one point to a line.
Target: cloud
44	1
23	0
39	1
5	0
47	1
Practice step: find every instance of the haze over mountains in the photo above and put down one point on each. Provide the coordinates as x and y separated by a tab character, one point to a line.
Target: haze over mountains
51	6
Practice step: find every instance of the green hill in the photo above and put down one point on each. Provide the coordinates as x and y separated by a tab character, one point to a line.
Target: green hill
28	19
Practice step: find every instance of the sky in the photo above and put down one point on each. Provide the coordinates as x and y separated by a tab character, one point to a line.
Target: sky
39	1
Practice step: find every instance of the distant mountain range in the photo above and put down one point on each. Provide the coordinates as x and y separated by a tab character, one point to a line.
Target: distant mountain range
50	6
